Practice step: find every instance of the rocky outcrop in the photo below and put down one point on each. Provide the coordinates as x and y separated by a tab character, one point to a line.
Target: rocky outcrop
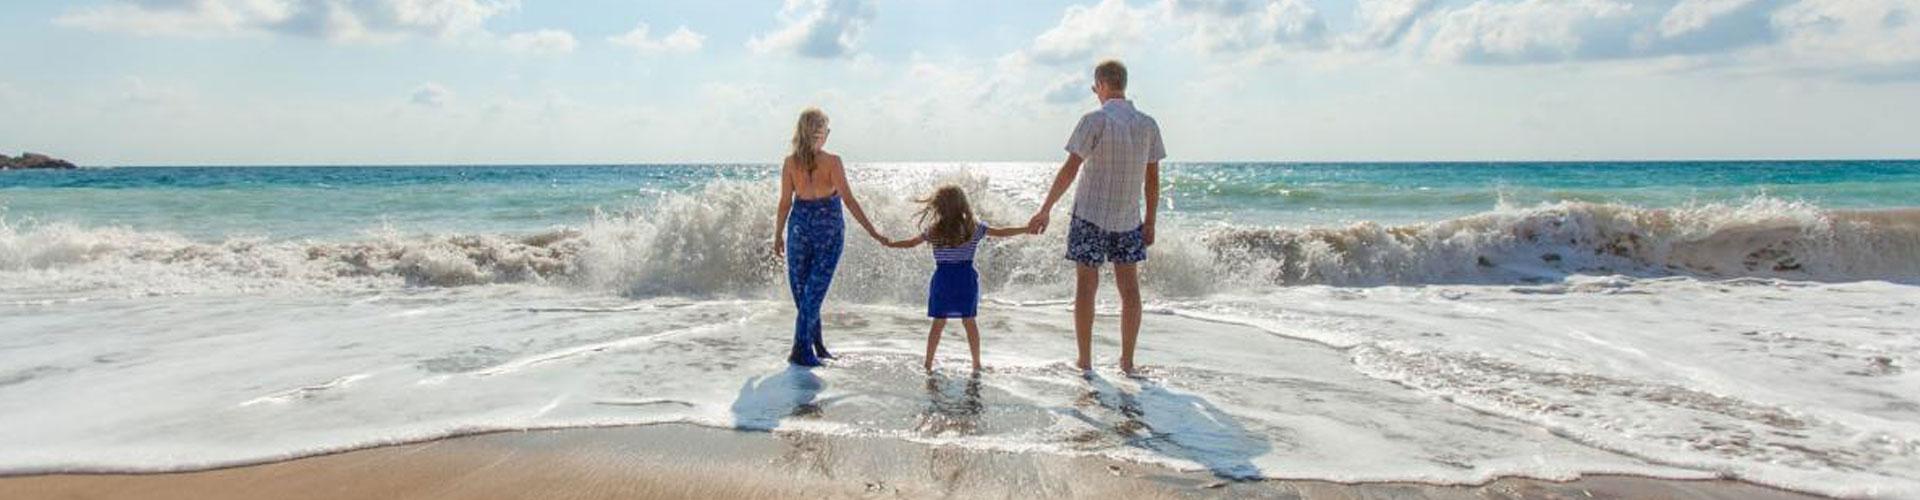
33	160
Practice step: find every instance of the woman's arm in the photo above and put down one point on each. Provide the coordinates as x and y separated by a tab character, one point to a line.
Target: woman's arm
906	243
1002	232
853	204
780	214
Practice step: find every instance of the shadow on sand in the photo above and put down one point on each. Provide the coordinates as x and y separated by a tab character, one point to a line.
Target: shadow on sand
1174	424
765	400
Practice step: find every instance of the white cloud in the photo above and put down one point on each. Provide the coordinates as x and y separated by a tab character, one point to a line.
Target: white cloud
1867	39
541	42
1215	27
335	20
431	95
681	41
1383	23
1069	90
1233	26
1086	32
1693	15
1531	31
946	107
824	29
180	18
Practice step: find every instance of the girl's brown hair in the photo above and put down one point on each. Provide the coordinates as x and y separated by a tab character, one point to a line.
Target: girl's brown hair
812	122
947	217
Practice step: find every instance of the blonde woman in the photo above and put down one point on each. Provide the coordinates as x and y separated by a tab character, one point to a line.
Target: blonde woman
813	184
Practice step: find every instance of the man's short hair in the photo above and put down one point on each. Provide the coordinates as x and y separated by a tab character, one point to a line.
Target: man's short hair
1112	73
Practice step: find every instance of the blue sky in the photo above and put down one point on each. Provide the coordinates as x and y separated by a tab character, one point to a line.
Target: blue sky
128	82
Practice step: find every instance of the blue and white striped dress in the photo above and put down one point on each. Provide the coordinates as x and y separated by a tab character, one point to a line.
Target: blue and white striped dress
954	291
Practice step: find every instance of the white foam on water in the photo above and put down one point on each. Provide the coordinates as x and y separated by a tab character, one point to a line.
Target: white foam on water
697	245
1673	378
1768	341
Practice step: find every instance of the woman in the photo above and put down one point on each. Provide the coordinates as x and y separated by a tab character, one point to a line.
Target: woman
812	184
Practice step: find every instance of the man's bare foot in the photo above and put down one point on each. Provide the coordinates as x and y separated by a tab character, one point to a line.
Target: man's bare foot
976	369
1126	366
928	366
1083	365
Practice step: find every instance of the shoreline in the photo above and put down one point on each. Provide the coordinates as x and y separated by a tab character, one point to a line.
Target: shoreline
685	460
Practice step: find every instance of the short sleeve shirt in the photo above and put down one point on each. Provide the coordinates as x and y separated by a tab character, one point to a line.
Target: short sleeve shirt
1115	144
962	253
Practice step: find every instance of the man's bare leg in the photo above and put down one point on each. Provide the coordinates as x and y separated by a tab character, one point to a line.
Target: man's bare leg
1126	277
1087	284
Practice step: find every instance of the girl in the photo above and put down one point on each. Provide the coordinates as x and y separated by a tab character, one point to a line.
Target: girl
812	184
948	223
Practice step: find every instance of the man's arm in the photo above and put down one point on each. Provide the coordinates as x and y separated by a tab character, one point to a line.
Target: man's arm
1068	172
1153	201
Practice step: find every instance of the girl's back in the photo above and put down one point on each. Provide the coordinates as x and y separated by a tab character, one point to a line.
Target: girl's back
962	252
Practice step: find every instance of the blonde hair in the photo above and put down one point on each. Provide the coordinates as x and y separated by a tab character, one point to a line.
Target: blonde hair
812	122
947	217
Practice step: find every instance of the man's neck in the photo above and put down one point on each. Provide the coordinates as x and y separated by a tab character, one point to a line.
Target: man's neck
1117	95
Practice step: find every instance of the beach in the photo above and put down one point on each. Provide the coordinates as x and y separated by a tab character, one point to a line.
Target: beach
1100	249
681	461
1730	329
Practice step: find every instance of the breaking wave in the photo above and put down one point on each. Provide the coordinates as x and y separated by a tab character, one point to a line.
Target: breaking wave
715	242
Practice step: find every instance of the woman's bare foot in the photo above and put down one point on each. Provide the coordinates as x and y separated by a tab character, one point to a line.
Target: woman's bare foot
1126	366
928	365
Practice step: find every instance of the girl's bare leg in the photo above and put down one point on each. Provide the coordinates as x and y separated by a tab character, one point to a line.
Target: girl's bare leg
973	341
933	341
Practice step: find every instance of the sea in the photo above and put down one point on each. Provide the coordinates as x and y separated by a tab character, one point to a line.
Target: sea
1446	323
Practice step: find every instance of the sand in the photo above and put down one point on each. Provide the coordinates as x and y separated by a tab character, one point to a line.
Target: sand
684	461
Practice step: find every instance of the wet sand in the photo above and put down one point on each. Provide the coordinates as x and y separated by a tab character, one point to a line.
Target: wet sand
684	461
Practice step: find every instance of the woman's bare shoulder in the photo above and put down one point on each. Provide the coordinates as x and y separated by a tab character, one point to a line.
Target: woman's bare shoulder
832	162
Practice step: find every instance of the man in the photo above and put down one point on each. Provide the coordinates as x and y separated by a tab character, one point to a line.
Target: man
1120	149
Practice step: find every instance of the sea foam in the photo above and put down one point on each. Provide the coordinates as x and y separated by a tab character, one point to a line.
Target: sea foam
1765	340
716	242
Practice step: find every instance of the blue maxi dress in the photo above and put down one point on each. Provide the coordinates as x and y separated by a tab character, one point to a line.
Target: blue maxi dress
815	236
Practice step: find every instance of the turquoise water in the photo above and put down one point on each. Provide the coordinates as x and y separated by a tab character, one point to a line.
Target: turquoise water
343	201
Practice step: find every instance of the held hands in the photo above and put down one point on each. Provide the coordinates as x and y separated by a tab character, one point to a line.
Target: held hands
893	243
1038	224
884	241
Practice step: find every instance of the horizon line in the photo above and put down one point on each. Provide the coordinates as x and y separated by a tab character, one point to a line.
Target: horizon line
1003	162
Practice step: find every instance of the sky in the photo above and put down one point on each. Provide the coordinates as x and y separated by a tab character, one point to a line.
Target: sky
275	82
